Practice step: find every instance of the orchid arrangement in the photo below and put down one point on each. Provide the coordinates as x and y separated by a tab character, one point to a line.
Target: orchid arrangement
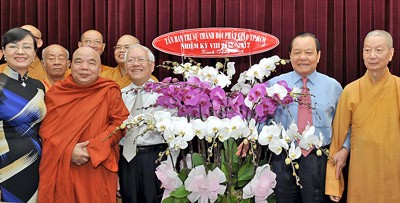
207	123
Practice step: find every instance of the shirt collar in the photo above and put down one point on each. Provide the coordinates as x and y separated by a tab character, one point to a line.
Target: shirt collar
311	78
14	74
133	86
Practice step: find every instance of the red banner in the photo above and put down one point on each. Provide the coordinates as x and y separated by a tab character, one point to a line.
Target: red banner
217	42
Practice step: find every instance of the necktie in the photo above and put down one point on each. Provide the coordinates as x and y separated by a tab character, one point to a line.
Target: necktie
304	113
129	151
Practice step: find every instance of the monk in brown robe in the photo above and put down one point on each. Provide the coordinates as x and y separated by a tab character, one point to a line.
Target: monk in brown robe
79	161
370	108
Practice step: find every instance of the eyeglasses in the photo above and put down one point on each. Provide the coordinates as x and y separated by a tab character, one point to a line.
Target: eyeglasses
119	47
92	42
139	60
24	47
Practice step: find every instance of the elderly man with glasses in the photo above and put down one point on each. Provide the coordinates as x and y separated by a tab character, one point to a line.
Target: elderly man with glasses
138	153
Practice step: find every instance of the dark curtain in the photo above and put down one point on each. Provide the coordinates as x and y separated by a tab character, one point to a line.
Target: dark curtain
340	25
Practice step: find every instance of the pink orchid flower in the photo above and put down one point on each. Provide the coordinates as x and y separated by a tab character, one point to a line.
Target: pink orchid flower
204	187
260	187
168	177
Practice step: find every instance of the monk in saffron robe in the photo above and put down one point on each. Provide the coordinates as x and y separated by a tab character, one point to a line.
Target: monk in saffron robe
370	108
118	74
79	161
55	62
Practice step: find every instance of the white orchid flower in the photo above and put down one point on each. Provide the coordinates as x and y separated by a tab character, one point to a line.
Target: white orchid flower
222	80
294	152
308	138
230	69
163	125
269	63
276	146
209	74
183	127
238	127
253	134
199	128
179	142
179	69
213	125
291	133
296	92
224	134
321	140
168	135
256	71
161	115
277	89
268	134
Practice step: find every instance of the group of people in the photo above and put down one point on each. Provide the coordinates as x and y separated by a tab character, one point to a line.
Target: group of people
363	120
57	117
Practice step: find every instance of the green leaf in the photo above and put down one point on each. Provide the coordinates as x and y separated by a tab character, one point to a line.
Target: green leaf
235	168
197	160
169	199
242	183
183	174
271	198
246	172
180	192
245	201
223	156
225	169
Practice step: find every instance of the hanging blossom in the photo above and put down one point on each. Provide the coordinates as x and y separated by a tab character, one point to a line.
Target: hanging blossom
261	185
168	177
205	187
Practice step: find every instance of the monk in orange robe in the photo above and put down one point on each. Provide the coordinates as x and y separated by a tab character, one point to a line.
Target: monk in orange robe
55	62
370	108
79	161
118	74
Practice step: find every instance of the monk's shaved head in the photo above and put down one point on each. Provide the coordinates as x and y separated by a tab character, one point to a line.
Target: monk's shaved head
36	33
85	66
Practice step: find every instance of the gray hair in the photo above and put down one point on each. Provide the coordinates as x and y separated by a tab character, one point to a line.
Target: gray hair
384	34
44	51
150	54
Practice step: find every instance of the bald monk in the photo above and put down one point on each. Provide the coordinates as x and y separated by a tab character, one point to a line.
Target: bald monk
36	69
370	107
93	39
79	163
118	74
55	62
